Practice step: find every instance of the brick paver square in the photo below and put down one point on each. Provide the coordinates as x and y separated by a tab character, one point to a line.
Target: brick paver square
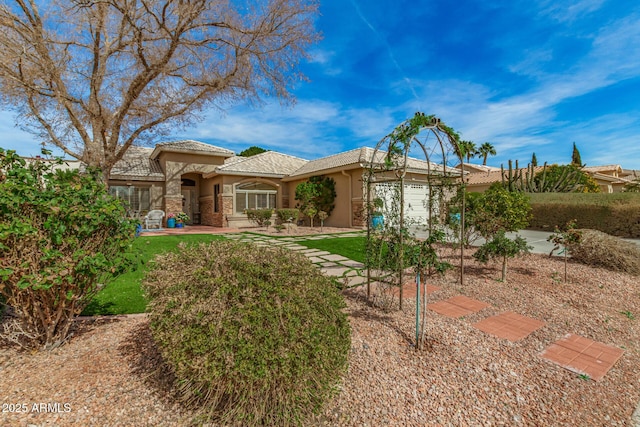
582	355
511	326
457	306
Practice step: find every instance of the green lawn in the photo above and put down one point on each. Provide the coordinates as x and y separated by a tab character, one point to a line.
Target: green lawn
350	247
123	295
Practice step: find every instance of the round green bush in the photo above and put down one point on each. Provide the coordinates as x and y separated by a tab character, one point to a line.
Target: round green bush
254	335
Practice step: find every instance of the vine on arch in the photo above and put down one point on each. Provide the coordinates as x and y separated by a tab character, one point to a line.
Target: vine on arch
402	247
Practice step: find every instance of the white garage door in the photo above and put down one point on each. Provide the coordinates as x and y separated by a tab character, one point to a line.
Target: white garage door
416	200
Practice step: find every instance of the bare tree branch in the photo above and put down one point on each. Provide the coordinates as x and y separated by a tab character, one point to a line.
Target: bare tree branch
94	77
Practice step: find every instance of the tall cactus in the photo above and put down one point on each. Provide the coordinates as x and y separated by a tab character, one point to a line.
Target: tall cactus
527	180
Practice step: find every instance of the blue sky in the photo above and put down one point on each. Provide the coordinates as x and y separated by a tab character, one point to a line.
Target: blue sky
527	76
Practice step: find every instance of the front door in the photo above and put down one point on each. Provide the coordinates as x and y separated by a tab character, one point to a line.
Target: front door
188	203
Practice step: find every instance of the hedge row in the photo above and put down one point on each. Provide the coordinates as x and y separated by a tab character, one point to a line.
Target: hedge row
617	214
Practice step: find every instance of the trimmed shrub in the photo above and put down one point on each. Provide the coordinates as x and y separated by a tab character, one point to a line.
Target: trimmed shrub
262	217
254	336
284	215
61	236
599	249
617	214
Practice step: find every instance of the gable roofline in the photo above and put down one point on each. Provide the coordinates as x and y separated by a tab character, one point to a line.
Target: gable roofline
189	146
271	164
357	158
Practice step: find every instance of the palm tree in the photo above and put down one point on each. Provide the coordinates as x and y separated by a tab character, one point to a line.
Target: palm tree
468	149
485	150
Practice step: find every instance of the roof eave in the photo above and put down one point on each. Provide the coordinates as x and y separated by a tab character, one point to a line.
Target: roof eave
239	173
115	177
156	152
351	166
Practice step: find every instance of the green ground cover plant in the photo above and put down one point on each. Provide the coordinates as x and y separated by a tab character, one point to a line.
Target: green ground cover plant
350	247
255	336
123	295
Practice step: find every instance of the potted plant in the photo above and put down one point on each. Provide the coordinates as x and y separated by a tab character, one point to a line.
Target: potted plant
181	219
377	219
171	220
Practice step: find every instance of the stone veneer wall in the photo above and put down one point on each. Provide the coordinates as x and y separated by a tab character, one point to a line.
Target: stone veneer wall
226	206
359	214
216	219
207	215
172	204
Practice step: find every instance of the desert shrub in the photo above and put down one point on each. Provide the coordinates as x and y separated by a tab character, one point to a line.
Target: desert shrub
61	236
599	249
255	336
261	217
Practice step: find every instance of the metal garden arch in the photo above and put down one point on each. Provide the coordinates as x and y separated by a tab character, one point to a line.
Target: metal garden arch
415	155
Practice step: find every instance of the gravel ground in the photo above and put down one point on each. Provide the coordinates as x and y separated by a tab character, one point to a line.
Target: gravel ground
107	376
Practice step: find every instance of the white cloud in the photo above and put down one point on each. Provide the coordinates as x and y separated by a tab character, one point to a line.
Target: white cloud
569	13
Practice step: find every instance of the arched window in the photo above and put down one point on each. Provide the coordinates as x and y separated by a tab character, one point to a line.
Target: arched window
255	195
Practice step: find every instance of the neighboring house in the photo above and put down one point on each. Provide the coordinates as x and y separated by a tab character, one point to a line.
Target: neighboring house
214	187
609	178
66	164
473	168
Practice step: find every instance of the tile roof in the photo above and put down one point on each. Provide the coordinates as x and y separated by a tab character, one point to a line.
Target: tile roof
352	157
269	163
136	164
484	177
490	177
190	146
605	168
359	157
471	167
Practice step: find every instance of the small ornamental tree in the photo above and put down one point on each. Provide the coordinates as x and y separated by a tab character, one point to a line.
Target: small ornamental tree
565	238
499	209
496	212
501	247
62	237
322	215
319	191
311	211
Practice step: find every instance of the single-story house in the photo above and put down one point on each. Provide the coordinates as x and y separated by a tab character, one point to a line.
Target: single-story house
214	187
